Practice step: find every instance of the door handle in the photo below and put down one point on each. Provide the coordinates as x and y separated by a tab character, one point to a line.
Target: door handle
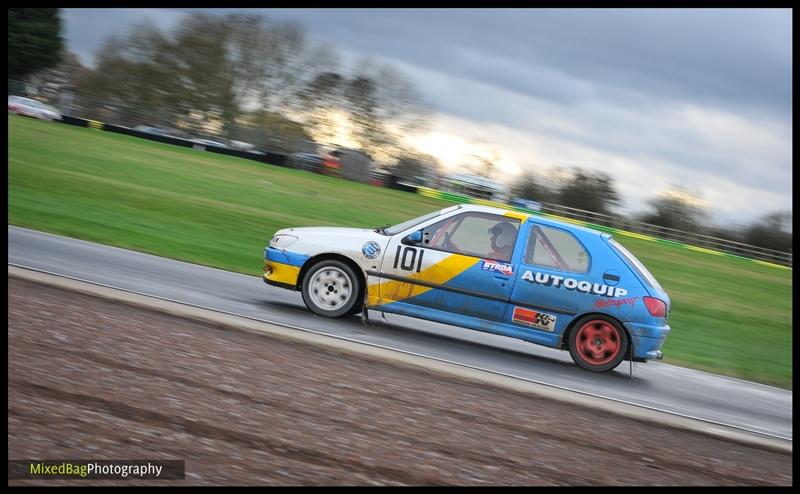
501	280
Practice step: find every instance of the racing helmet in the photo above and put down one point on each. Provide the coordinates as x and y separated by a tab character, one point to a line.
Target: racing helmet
503	235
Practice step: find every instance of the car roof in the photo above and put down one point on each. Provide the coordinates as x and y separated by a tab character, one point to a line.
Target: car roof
524	216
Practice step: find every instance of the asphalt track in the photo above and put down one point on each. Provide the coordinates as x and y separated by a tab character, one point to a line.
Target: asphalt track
742	405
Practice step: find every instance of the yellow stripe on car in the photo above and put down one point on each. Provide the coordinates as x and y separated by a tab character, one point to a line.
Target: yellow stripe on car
438	274
514	214
281	273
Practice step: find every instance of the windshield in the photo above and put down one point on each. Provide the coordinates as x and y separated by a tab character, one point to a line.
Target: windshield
636	264
416	221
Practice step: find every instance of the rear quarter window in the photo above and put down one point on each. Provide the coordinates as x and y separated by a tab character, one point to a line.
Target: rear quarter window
635	264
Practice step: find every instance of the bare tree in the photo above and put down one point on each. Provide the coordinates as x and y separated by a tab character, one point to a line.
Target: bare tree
130	75
772	231
270	130
321	100
214	69
417	167
374	107
589	191
200	60
383	106
677	208
530	187
209	65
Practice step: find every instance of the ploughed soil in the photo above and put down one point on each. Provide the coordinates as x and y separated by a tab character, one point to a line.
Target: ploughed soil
91	379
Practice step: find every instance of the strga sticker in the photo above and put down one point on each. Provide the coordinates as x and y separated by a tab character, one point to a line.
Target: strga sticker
499	267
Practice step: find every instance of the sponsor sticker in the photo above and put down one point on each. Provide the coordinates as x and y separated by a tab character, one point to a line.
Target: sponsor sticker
371	249
614	302
499	267
582	286
534	319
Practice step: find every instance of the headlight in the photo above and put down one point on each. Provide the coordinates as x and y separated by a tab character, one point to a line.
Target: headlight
282	241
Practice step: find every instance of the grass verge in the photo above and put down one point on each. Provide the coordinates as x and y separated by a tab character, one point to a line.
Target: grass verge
729	316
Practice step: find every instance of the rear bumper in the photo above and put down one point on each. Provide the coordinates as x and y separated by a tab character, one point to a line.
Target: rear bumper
647	340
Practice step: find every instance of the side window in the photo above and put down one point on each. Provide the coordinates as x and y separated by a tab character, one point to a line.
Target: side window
555	248
474	234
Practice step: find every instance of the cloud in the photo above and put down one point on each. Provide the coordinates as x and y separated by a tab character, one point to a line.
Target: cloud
735	57
653	97
644	150
86	29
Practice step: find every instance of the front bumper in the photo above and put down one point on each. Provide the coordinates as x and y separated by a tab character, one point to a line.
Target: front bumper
282	269
647	340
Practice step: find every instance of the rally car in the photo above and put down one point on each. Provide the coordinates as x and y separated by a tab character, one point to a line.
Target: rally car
489	269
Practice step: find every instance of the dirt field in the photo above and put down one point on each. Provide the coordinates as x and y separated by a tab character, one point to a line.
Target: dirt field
93	380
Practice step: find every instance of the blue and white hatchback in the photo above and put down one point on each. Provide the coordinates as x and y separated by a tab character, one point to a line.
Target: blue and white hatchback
500	271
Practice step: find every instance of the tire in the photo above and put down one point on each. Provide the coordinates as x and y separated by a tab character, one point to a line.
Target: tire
598	343
332	289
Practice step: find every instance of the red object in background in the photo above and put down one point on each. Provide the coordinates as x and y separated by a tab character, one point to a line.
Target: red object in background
331	166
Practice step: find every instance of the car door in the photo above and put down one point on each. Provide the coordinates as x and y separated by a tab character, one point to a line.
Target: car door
554	281
452	267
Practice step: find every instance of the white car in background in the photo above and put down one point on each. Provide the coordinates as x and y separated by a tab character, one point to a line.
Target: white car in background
209	142
242	146
32	108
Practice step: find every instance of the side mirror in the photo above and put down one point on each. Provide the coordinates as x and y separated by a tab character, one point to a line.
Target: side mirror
415	238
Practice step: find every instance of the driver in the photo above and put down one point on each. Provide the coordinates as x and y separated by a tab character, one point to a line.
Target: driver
503	236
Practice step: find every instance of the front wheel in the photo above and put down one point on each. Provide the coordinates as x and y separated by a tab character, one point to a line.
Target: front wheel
331	289
598	343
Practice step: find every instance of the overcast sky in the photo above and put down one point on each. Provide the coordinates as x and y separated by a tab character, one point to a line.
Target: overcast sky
656	98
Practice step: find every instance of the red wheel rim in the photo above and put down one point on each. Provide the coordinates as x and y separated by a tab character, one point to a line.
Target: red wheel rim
598	342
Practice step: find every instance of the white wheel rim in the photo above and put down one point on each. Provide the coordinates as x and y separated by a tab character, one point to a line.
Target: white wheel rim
330	288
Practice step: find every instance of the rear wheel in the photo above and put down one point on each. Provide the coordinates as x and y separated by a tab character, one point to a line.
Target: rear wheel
598	343
332	289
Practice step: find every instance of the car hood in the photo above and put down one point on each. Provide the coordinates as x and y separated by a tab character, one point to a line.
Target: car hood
328	232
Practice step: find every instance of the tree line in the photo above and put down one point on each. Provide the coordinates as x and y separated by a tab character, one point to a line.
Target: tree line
597	193
241	76
258	79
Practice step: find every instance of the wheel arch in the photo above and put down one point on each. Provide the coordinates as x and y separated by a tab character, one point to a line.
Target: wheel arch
330	256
